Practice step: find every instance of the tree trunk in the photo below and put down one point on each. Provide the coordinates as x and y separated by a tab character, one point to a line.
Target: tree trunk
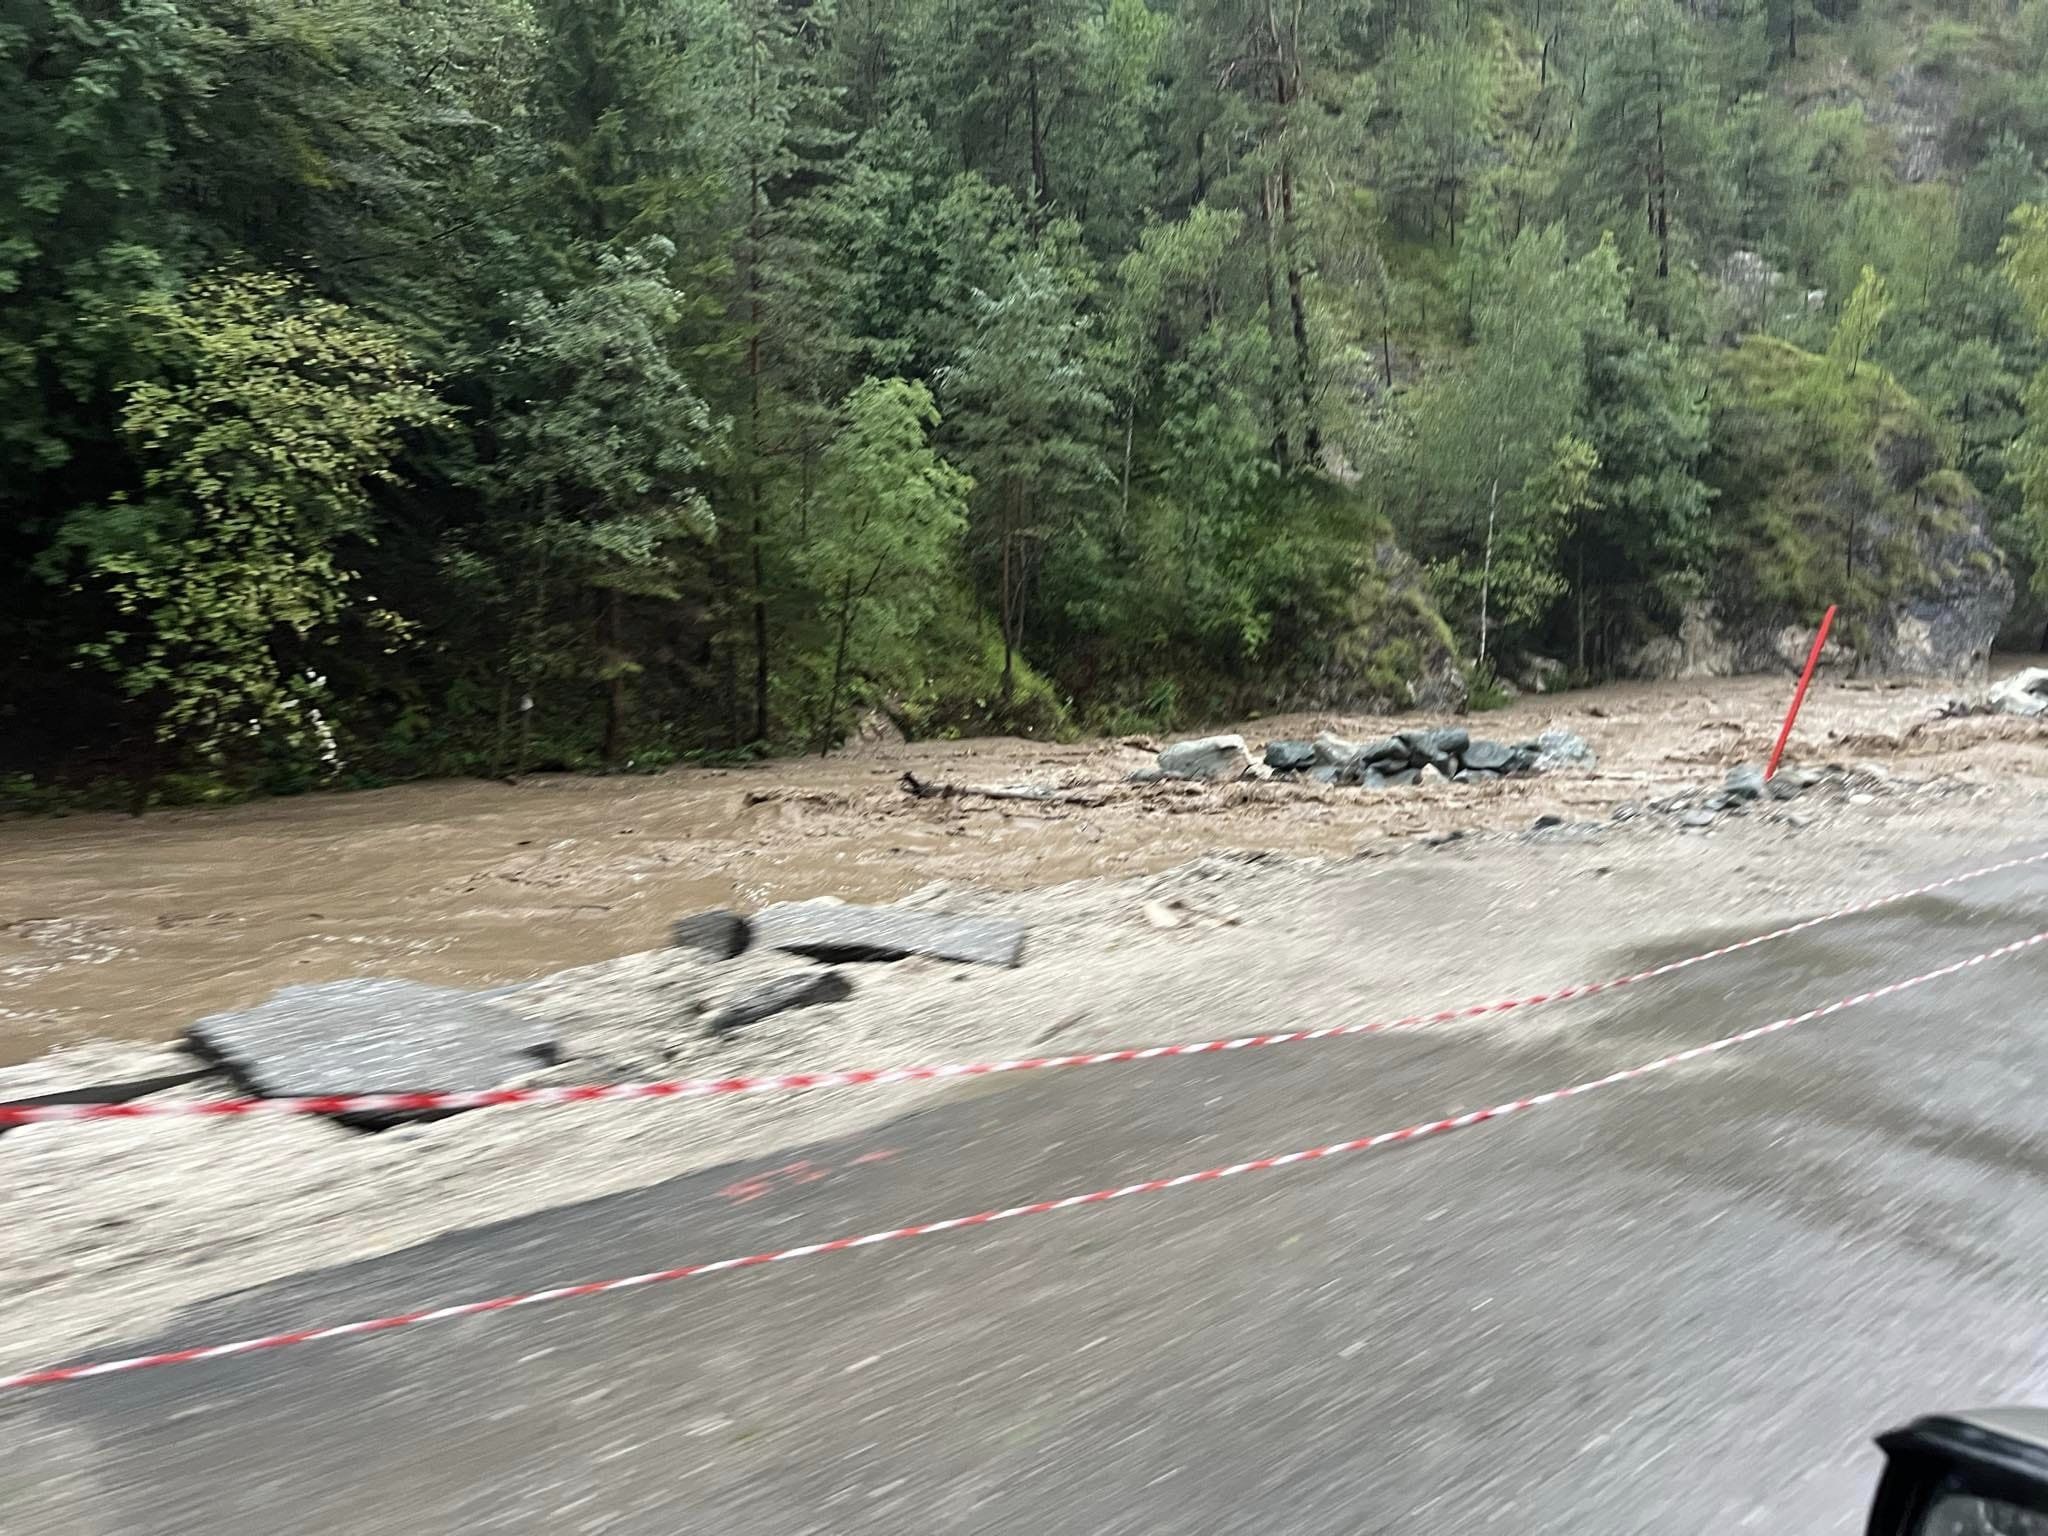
1007	613
615	694
1130	428
824	734
1040	192
1486	564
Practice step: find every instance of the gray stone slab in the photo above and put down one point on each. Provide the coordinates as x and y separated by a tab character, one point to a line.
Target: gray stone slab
373	1035
835	931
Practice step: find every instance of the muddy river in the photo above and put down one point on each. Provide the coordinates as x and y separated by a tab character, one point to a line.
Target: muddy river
115	927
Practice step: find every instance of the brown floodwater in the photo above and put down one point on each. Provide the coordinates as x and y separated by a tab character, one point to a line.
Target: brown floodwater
114	927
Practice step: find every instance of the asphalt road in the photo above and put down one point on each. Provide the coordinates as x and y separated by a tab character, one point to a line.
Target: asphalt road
1675	1306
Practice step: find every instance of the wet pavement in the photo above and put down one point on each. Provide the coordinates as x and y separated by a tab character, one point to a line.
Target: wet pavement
1681	1305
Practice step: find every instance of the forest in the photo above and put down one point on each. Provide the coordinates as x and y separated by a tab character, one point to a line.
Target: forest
405	387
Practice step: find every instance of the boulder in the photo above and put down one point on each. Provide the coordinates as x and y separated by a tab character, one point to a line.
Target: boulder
1744	782
1542	674
1325	774
1436	745
1207	757
1290	756
832	930
373	1036
1431	774
1334	751
718	934
1388	749
1400	778
2024	693
807	989
1487	757
1558	748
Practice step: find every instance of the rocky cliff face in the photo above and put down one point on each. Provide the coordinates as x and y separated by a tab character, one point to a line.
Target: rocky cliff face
1834	488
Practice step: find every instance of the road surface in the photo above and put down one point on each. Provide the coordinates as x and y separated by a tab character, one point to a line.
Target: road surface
1675	1306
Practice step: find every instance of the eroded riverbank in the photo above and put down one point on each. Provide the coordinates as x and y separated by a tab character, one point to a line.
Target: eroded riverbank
111	927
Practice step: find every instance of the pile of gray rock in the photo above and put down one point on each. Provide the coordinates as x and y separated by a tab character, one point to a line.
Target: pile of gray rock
1444	754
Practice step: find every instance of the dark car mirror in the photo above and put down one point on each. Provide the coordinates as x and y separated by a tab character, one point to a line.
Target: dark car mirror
1965	1474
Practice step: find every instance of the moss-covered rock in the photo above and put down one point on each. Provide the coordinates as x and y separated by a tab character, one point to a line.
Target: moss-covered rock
1836	489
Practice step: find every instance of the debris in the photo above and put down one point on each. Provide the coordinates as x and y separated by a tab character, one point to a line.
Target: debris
373	1035
836	931
97	1074
1290	756
2024	693
925	789
1546	821
807	989
1206	757
719	934
1161	914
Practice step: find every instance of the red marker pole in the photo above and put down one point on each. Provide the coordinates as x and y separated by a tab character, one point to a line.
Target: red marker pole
1798	698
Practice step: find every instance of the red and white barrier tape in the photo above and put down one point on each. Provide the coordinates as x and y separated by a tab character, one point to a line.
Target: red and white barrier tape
65	1373
875	1077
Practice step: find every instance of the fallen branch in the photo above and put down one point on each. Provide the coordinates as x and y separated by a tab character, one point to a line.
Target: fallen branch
923	789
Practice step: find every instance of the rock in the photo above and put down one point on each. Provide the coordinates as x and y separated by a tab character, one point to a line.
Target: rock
1545	822
1161	914
1696	819
1324	775
1290	756
373	1036
1474	776
1861	797
1721	801
806	990
1793	819
1542	674
1333	751
1388	749
835	931
1558	748
2024	693
1442	839
718	934
1782	787
1806	778
1488	755
1438	745
1431	775
1258	772
874	732
1400	778
1207	757
1744	782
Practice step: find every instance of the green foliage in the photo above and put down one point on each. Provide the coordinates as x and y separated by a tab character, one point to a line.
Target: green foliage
1819	478
885	530
265	413
614	333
